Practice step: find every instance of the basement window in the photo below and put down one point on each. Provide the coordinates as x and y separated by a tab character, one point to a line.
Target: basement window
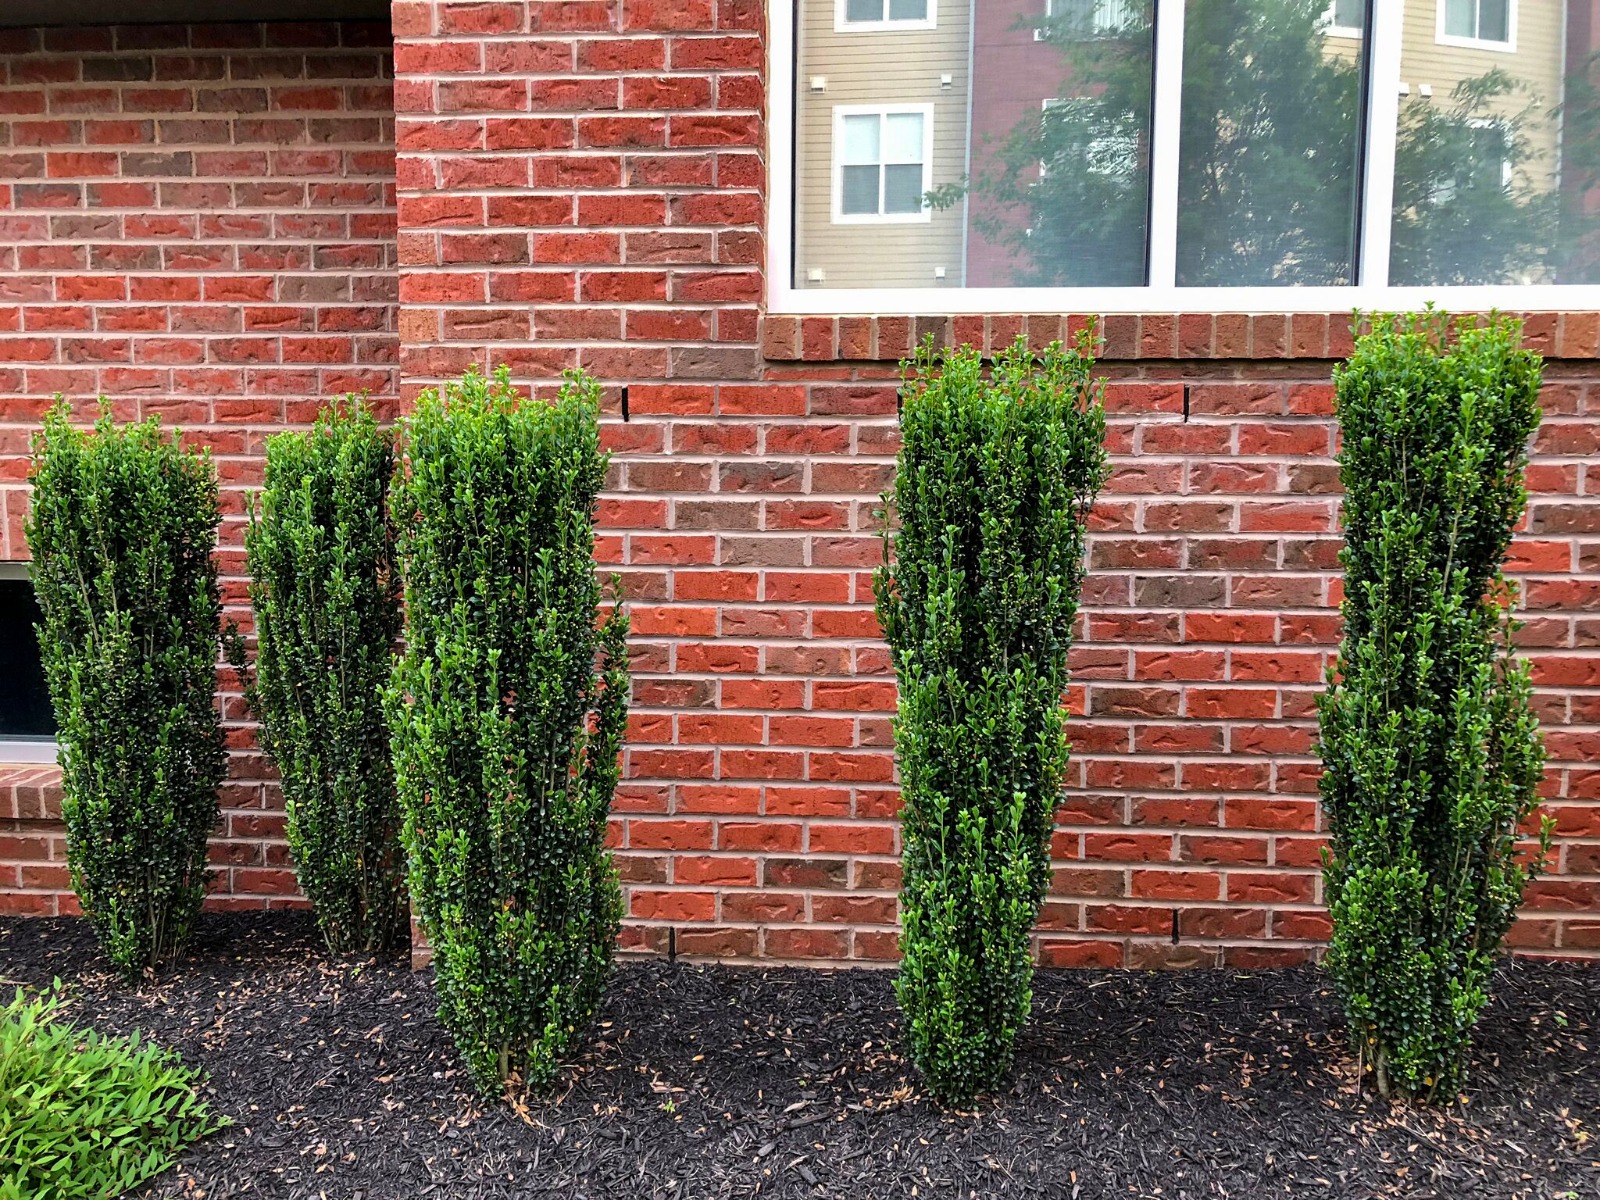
27	722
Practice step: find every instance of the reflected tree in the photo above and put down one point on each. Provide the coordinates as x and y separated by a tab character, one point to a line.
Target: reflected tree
1265	190
1267	153
1067	190
1269	161
1469	207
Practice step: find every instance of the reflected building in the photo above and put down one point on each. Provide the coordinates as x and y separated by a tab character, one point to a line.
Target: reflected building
881	119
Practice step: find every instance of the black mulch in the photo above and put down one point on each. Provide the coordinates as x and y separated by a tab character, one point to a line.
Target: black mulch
712	1082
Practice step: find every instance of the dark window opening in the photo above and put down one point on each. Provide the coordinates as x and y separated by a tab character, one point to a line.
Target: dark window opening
25	711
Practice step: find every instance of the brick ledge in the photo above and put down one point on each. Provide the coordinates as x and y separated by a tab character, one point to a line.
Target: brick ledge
1252	336
30	791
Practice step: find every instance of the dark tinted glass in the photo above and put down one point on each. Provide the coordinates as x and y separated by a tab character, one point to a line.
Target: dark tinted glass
24	701
860	190
1494	20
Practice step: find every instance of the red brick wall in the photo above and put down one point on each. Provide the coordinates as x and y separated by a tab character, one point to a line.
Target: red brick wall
196	222
581	183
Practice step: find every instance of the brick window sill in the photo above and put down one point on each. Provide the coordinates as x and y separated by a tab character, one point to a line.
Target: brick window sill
1261	336
30	792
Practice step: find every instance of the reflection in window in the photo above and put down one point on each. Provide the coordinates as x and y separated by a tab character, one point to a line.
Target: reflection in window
1010	145
1061	194
882	161
1478	20
1269	147
1496	153
864	12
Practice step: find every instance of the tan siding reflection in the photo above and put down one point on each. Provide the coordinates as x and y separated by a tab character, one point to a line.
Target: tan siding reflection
867	68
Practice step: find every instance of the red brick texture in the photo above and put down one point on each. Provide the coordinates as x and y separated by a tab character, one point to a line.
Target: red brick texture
582	184
195	222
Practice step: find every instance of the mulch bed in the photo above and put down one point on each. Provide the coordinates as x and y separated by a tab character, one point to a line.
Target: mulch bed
719	1081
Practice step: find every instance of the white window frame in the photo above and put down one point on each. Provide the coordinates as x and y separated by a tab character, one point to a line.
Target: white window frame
887	25
25	750
1337	30
1161	294
840	111
1509	46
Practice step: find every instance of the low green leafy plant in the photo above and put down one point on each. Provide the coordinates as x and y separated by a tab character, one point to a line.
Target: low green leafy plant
507	710
84	1116
995	480
122	530
326	598
1430	746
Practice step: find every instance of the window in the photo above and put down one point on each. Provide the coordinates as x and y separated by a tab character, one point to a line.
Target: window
854	16
27	722
882	163
1187	155
1078	19
1487	23
1346	18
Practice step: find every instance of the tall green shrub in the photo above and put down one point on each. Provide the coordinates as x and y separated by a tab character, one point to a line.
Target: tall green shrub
326	598
995	480
123	525
507	711
1430	748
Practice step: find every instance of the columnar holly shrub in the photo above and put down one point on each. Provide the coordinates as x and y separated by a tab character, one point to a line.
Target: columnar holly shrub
1431	751
995	480
123	525
507	711
327	613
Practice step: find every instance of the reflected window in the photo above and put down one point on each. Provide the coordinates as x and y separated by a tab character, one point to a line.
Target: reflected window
1088	18
859	14
883	163
1477	20
1346	17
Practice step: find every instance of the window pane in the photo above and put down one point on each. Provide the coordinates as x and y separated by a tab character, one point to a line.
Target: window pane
902	189
902	138
1060	148
860	190
992	194
1494	20
1460	18
860	143
1497	171
24	700
863	10
1268	147
1349	14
